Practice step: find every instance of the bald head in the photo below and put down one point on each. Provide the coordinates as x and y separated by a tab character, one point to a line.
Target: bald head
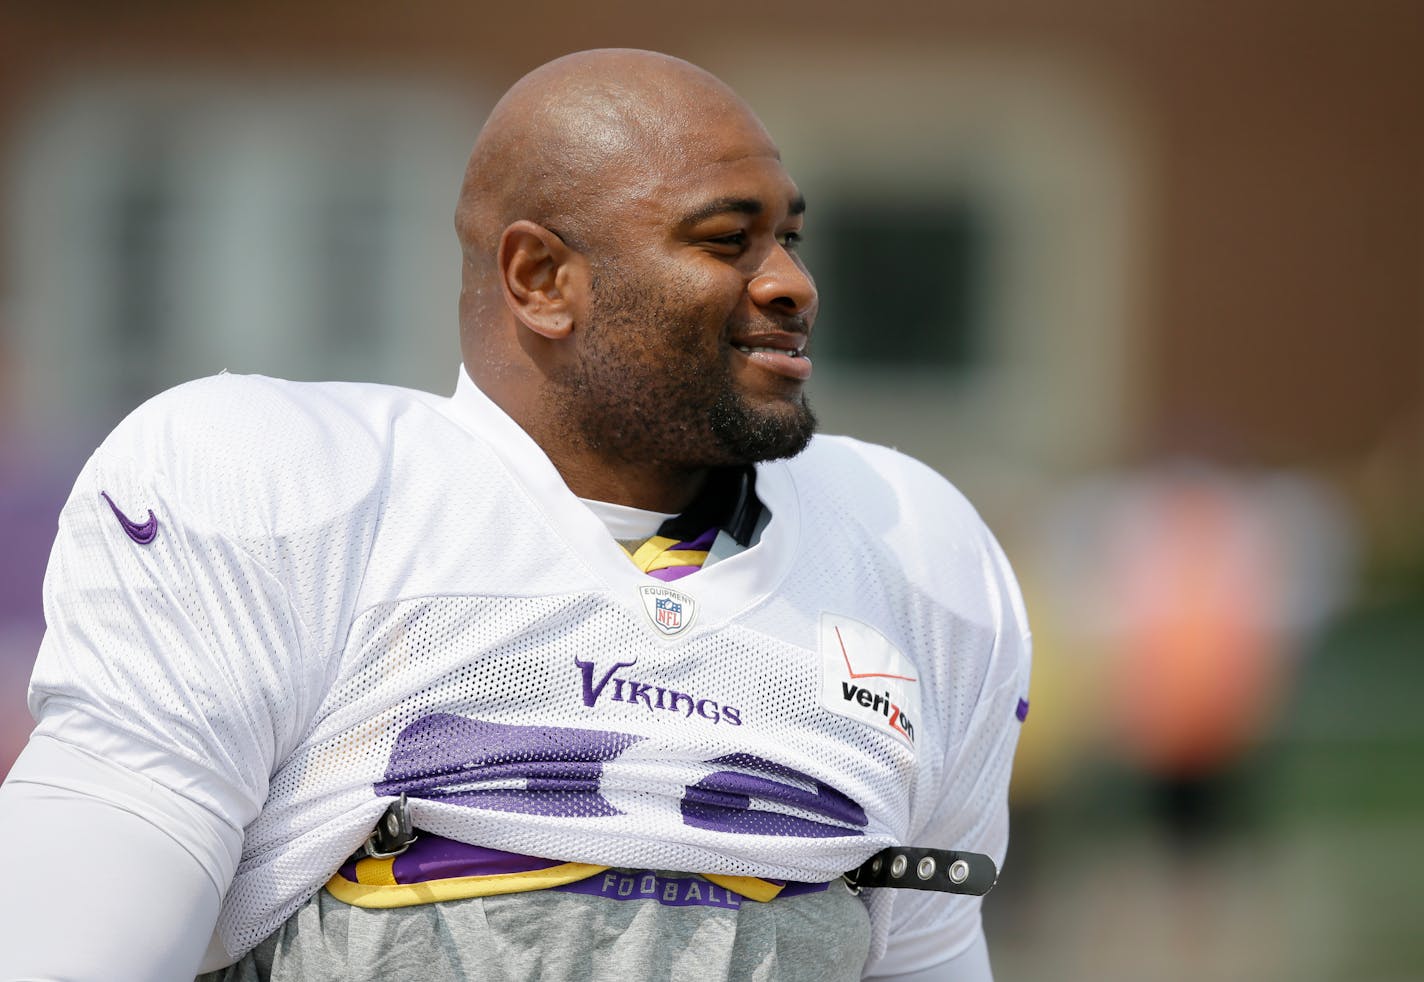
631	292
562	139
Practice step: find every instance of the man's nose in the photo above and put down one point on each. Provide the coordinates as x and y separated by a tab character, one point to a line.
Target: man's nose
782	283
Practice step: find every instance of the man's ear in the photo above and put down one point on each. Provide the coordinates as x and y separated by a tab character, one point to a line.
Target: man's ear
540	275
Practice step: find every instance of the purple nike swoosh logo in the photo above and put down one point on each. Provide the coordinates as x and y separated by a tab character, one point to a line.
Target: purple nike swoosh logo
142	534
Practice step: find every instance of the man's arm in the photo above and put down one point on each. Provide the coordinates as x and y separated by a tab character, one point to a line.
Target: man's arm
969	809
169	684
108	875
970	965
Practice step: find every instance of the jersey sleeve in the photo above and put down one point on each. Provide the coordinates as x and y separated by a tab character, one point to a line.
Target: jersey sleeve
970	809
970	965
204	574
170	649
206	569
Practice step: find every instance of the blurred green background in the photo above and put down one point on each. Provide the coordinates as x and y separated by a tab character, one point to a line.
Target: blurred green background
1146	280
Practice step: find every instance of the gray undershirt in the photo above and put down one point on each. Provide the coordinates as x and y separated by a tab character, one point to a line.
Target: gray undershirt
549	935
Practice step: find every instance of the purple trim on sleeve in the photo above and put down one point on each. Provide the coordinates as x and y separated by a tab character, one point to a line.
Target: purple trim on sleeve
1021	711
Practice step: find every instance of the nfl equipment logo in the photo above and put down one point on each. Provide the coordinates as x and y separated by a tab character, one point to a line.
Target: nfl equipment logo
671	611
669	614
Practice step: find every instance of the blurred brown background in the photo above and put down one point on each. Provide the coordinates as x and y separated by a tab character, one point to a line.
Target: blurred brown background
1146	279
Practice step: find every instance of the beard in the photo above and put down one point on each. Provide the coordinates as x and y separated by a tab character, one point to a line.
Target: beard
654	383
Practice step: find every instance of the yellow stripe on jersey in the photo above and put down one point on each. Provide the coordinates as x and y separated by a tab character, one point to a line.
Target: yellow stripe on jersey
383	895
751	887
375	886
651	550
676	557
376	872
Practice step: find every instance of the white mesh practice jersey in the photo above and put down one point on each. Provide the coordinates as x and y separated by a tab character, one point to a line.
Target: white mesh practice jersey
291	603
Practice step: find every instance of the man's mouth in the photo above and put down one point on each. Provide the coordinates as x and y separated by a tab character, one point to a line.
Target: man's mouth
789	352
784	357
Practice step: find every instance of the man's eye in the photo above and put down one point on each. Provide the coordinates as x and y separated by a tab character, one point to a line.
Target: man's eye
790	240
735	240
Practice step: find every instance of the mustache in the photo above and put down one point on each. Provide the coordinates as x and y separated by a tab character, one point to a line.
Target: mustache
790	324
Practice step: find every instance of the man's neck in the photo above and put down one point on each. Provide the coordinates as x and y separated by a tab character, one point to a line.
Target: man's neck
651	487
589	473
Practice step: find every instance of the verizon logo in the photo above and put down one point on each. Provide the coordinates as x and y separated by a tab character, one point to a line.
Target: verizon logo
880	702
866	678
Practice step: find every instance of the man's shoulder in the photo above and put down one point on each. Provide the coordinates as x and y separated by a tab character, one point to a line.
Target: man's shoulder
883	503
260	418
873	476
239	442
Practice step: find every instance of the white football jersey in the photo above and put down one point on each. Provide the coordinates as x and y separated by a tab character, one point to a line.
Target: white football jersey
293	602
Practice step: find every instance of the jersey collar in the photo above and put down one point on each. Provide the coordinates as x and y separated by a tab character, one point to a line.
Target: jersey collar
724	589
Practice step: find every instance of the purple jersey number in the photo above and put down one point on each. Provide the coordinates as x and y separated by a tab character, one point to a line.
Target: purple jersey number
557	770
533	770
722	802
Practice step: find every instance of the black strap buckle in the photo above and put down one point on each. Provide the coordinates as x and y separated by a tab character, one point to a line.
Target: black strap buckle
944	870
393	833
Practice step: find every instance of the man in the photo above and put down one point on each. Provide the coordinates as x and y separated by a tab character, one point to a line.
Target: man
277	610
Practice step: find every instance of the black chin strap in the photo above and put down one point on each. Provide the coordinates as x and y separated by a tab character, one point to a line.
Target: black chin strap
943	870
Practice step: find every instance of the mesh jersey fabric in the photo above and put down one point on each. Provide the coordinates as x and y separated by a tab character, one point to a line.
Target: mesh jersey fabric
432	869
357	590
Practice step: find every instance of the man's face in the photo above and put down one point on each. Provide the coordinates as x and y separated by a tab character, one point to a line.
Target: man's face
691	348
